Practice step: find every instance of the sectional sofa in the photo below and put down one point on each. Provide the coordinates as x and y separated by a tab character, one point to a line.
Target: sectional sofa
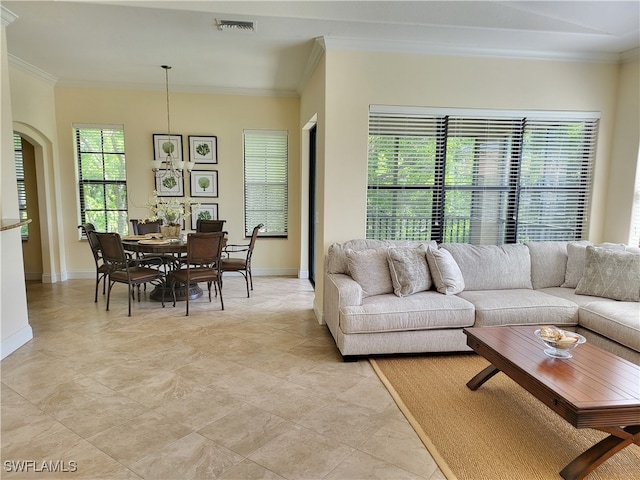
389	297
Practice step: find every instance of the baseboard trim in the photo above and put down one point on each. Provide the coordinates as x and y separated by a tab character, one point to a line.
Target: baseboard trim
15	341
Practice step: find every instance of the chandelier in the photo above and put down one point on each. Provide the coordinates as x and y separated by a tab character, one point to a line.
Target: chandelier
171	165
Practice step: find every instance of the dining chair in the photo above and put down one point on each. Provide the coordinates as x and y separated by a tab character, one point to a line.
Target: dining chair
122	269
202	264
102	269
241	265
141	227
207	226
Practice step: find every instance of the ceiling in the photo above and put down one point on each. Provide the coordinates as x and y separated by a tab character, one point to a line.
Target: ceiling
122	44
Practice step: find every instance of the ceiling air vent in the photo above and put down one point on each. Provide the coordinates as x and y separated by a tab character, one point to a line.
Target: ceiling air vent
236	25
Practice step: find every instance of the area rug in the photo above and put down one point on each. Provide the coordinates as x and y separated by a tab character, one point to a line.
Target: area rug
500	431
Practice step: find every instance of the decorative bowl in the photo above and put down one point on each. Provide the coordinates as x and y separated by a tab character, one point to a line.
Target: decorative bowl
561	347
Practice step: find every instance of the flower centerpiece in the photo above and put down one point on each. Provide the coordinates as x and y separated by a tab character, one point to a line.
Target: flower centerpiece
171	211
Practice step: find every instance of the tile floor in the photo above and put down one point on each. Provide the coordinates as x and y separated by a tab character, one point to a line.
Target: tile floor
256	391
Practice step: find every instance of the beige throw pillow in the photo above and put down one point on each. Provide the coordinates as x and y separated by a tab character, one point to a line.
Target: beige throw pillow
371	270
445	272
409	270
577	253
611	274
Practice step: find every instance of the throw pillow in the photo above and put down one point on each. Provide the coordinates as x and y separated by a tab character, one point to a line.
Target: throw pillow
445	272
611	274
371	270
577	252
409	270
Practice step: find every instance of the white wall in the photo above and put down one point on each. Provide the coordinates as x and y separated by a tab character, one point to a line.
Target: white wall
15	330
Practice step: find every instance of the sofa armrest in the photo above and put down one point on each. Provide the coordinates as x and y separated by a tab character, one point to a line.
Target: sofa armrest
340	290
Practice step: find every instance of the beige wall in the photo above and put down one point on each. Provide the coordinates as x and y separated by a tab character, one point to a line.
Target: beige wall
143	113
312	106
624	155
356	80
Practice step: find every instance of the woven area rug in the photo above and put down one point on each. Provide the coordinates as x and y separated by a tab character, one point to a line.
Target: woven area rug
500	431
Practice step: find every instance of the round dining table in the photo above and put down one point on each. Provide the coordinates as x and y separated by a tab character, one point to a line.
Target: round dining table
167	249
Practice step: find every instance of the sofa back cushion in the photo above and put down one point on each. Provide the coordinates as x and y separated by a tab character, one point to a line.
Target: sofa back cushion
577	254
336	261
492	267
548	263
611	274
409	270
445	272
370	268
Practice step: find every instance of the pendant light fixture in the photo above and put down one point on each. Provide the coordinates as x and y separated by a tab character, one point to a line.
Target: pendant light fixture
172	165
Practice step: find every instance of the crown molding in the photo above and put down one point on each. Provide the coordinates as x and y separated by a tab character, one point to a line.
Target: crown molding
419	48
312	62
31	69
252	92
7	17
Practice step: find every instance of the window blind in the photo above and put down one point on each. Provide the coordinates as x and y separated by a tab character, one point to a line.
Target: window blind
22	191
266	182
102	184
483	178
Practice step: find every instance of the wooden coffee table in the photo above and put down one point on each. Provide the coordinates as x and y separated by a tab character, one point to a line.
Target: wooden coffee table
594	389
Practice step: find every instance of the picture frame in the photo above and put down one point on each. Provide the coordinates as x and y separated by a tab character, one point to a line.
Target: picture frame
169	183
160	151
206	211
203	149
204	183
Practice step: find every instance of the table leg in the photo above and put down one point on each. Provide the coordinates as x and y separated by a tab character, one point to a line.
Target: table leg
588	461
477	381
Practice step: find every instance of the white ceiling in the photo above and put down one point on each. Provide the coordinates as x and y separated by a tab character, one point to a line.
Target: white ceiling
123	43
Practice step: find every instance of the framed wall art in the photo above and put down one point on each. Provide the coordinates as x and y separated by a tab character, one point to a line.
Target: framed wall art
169	183
206	211
163	145
203	149
204	183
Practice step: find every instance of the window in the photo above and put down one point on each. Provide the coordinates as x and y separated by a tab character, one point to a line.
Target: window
22	192
102	185
478	177
266	182
634	237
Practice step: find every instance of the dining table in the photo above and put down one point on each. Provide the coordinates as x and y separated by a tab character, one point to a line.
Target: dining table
170	250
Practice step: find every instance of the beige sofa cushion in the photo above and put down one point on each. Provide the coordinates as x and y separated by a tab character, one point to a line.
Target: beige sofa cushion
577	255
370	269
445	272
548	263
492	267
409	270
520	307
611	274
422	311
619	321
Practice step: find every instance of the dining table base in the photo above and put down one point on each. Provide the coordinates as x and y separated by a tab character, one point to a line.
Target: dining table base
193	291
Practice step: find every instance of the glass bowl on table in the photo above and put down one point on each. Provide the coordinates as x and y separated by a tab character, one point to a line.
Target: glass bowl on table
559	342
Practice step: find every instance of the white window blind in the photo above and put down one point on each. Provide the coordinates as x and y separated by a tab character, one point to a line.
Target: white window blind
266	182
634	237
483	177
22	191
102	178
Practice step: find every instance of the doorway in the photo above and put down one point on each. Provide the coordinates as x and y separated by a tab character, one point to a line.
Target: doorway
312	205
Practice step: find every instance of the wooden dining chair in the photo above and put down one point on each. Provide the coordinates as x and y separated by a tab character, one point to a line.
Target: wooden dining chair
207	226
122	269
102	269
242	264
141	227
202	264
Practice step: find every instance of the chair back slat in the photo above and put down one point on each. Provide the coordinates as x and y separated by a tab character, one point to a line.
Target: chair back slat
141	227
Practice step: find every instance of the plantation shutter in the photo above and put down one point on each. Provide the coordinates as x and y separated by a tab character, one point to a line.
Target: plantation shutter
403	197
22	192
266	182
102	177
555	179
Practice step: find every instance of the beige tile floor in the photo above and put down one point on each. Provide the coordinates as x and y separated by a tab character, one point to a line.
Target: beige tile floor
255	391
